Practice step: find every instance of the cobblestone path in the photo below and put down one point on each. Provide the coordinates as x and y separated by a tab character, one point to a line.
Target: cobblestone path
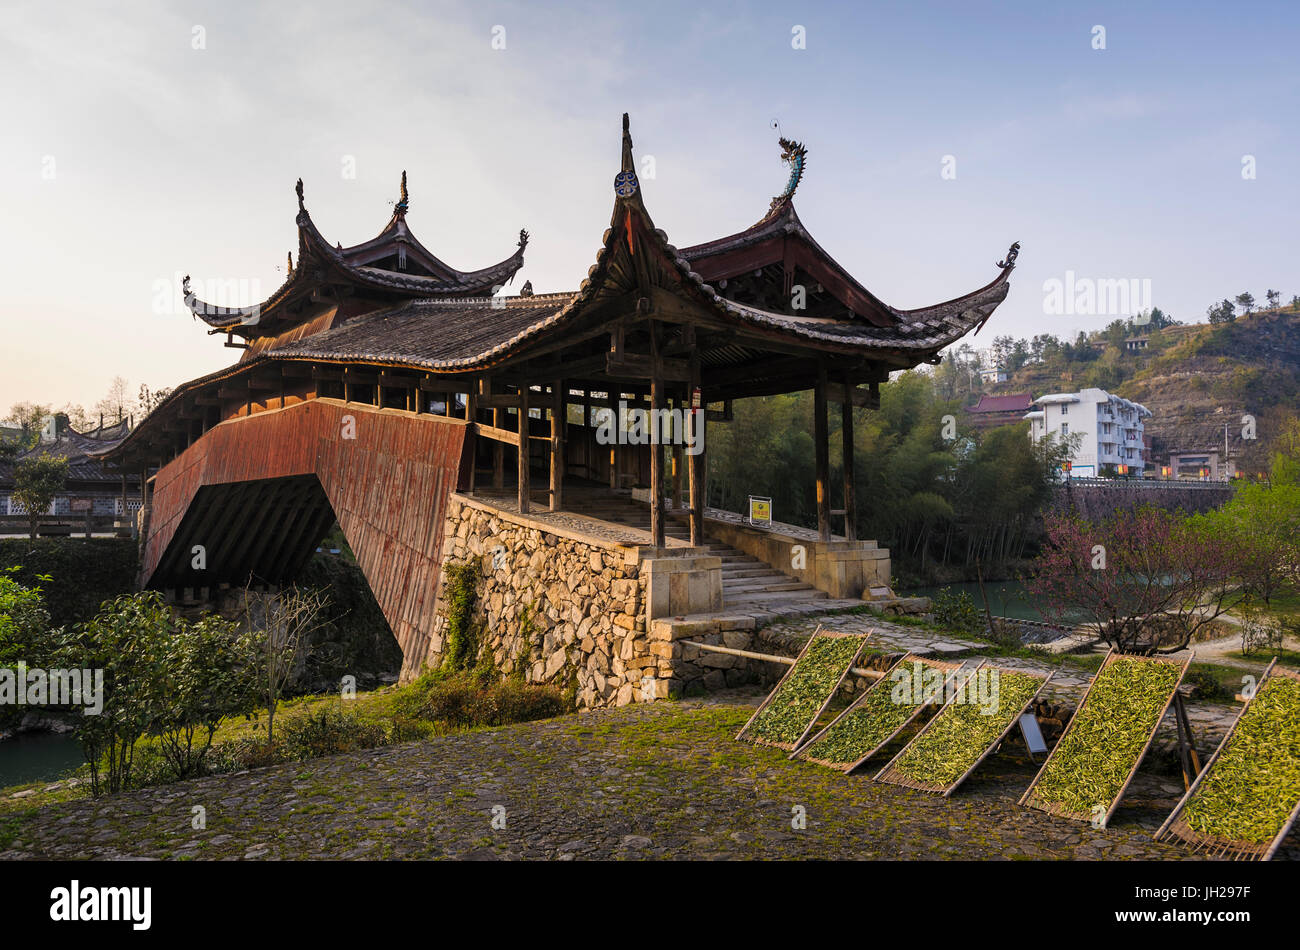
662	780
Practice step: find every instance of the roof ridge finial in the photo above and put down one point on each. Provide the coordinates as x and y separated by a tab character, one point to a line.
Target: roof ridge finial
1010	260
625	183
794	154
298	188
628	164
289	261
405	201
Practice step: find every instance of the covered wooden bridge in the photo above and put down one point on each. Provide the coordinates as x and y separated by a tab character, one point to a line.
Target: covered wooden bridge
377	380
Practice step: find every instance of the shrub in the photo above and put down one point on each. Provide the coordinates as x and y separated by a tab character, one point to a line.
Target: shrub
466	700
210	666
246	752
279	626
329	731
1260	632
956	610
77	575
24	621
128	641
163	676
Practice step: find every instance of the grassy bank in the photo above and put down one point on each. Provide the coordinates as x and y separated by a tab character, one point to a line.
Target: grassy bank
308	727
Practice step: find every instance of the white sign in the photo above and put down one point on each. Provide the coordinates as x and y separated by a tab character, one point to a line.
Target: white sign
1033	735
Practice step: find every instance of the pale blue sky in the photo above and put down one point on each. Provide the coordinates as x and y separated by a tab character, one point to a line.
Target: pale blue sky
1116	163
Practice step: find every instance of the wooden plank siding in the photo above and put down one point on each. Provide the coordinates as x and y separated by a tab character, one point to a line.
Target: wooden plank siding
387	488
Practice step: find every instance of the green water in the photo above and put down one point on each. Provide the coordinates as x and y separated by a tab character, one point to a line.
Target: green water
38	757
1006	598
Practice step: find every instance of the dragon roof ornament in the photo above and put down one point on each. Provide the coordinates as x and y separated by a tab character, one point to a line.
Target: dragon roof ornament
794	154
1012	253
405	201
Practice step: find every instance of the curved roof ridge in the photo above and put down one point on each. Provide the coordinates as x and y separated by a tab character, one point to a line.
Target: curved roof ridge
312	245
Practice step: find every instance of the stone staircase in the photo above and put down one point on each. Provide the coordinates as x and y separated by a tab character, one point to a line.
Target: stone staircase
746	581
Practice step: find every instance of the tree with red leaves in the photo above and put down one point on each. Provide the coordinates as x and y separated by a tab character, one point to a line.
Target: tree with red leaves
1146	580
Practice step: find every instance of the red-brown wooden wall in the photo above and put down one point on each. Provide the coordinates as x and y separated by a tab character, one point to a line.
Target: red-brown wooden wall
388	487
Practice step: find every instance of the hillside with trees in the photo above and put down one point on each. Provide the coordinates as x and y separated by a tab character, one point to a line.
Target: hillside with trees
1195	378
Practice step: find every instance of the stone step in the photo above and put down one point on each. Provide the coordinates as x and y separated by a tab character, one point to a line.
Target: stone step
772	597
758	585
753	570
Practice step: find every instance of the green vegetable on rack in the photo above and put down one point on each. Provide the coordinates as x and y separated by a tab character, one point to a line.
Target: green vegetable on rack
877	716
1249	793
806	689
963	731
1095	757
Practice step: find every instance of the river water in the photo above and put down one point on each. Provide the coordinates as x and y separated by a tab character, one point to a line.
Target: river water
1006	598
38	757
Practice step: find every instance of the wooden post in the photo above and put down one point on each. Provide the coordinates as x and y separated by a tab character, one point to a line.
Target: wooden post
523	448
557	444
587	438
846	426
656	441
498	452
656	463
471	441
695	462
821	444
677	472
613	447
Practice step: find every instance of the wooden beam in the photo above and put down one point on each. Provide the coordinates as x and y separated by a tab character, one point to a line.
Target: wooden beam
497	434
637	366
821	440
836	392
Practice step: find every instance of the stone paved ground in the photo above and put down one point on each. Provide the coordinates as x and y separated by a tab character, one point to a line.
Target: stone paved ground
663	780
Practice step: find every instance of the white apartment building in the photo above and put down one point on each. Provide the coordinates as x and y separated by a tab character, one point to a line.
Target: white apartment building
1111	427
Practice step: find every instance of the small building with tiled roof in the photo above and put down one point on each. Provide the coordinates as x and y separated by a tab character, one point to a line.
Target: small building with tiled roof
993	411
91	486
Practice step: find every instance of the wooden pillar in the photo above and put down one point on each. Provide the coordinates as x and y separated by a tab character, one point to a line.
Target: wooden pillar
656	462
695	462
557	444
613	446
471	437
587	438
523	449
498	452
677	469
821	444
846	426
